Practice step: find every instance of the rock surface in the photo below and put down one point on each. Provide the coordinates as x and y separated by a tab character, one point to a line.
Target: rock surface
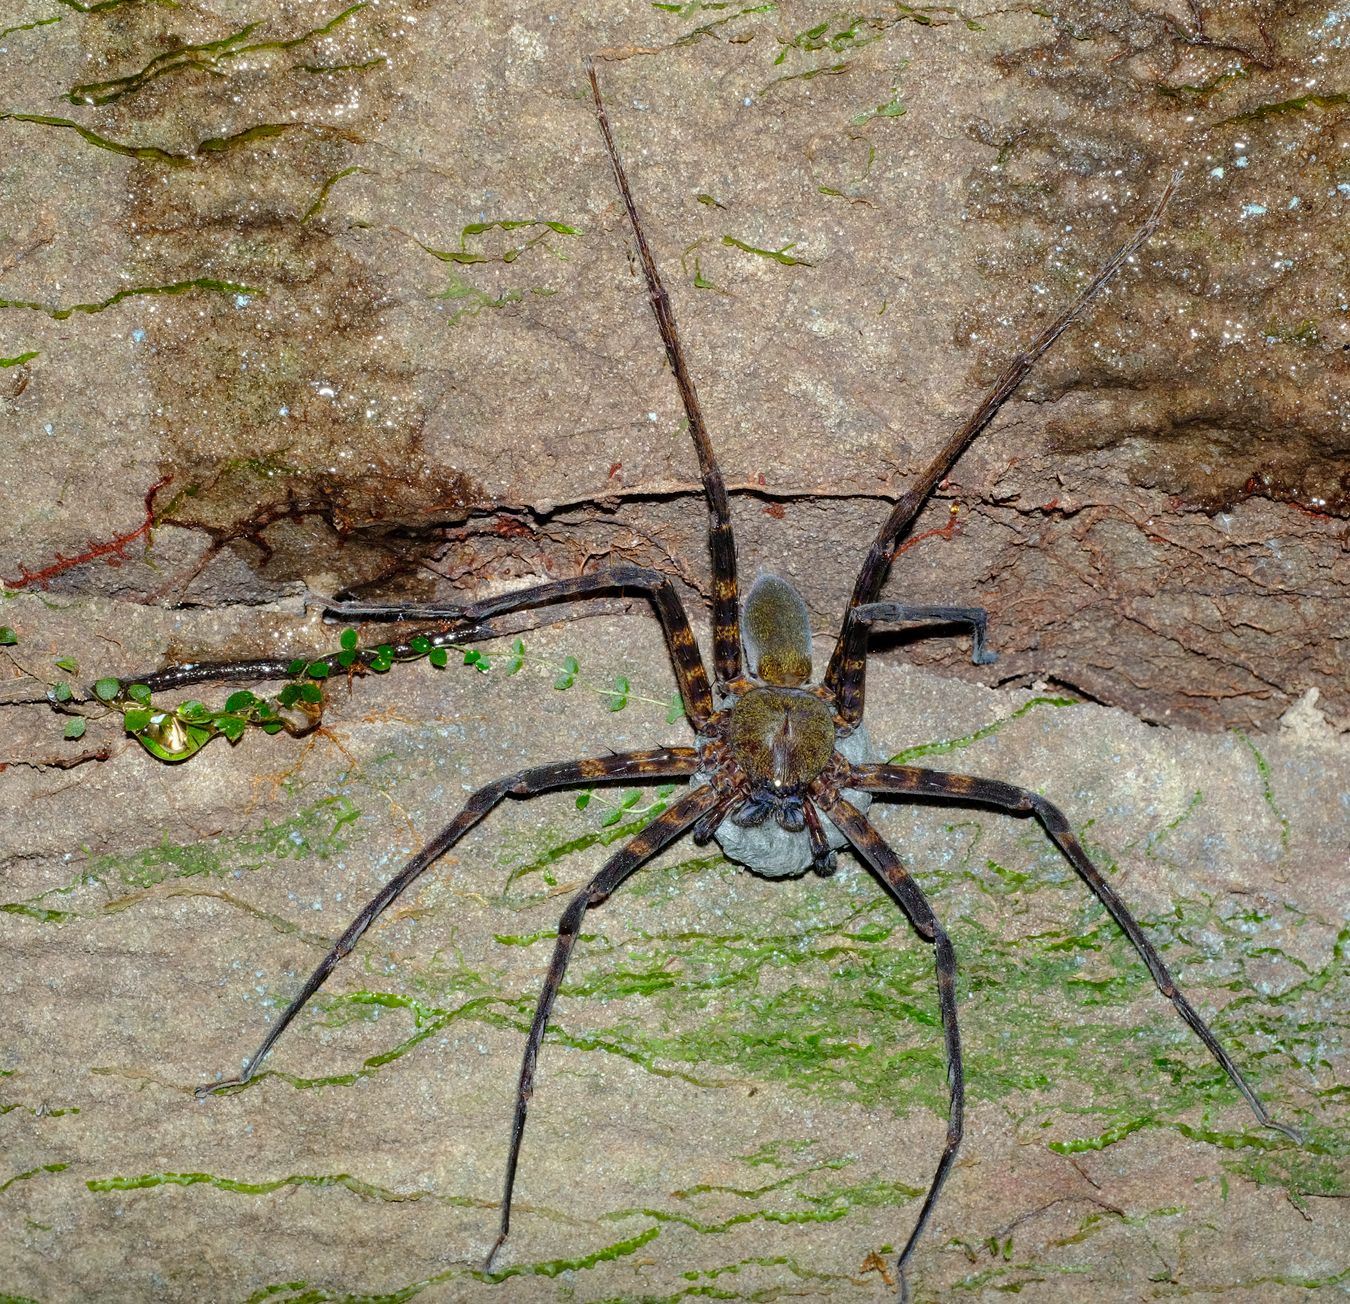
744	1090
352	288
311	298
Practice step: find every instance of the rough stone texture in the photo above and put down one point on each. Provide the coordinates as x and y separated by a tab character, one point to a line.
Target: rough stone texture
263	252
269	288
745	1089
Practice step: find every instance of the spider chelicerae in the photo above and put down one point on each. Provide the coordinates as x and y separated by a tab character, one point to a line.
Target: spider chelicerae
781	772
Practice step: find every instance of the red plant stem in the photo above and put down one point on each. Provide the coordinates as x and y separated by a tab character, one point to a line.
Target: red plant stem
112	549
947	531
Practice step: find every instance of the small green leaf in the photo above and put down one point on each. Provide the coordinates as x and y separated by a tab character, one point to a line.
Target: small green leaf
569	674
136	719
438	657
194	739
232	726
296	667
674	708
379	664
611	819
777	255
665	790
272	726
74	729
618	695
631	799
291	693
473	657
107	689
68	664
348	641
346	657
584	799
240	701
139	693
318	670
194	712
61	692
420	644
517	657
7	636
311	693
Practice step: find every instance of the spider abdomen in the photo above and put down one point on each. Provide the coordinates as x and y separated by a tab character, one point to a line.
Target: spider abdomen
777	633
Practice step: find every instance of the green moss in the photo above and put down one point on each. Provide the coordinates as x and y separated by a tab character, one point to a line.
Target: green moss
1100	1141
9	31
1305	333
316	830
41	915
32	1173
1267	788
211	56
142	153
843	1006
773	255
175	287
1299	104
912	754
321	199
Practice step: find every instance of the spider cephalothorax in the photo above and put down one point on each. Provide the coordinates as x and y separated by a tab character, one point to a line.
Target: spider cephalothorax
782	770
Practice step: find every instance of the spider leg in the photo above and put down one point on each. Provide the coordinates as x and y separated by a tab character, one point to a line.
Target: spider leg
661	831
660	762
823	859
870	845
913	781
900	613
475	621
976	617
721	543
242	668
844	676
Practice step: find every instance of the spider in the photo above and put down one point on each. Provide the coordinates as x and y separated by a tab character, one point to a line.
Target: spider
781	772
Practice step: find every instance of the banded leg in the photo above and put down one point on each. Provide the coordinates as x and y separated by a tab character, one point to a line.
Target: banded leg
976	617
191	673
473	622
901	614
721	543
686	812
846	663
658	763
912	781
870	845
